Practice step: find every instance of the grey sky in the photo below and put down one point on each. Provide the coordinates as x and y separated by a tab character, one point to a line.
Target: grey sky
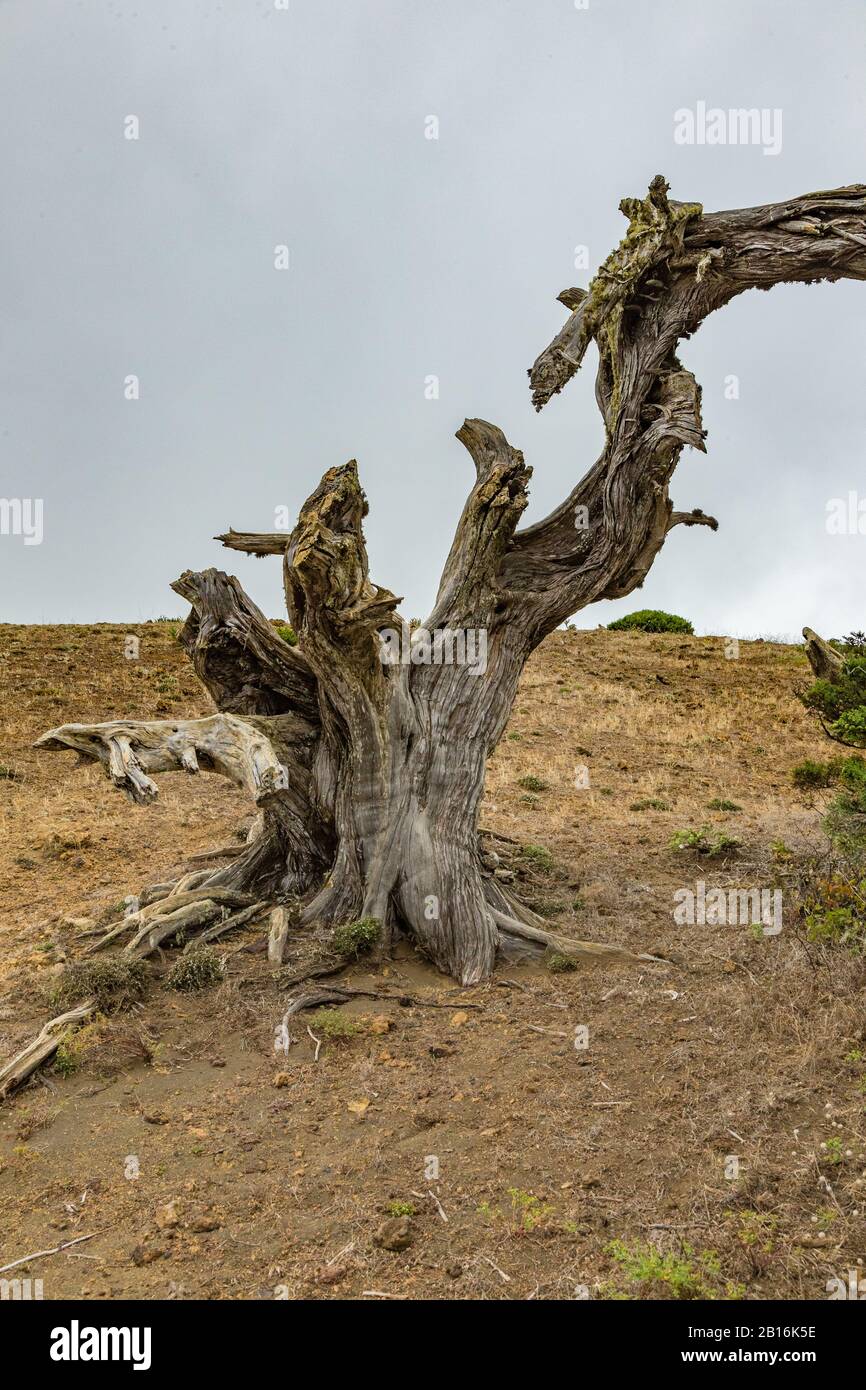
409	257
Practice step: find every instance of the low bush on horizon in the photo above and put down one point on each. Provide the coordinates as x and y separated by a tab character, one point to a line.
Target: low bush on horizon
651	620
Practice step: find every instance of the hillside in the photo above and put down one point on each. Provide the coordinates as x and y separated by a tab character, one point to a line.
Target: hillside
260	1171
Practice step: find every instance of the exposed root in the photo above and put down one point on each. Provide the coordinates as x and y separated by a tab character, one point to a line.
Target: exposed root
169	903
237	919
523	933
510	928
152	934
43	1046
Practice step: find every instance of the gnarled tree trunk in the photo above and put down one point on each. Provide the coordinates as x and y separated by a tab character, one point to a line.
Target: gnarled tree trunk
365	751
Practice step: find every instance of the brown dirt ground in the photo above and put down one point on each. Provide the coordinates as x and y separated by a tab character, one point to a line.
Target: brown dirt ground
269	1176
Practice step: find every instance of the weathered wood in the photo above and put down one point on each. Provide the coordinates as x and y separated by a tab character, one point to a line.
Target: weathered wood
277	935
43	1046
825	661
238	655
365	747
236	748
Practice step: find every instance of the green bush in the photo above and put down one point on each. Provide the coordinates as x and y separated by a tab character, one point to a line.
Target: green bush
532	784
810	773
704	842
198	970
333	1025
559	964
353	939
842	702
651	1273
287	633
539	857
651	620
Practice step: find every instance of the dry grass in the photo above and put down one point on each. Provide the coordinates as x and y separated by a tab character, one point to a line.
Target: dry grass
744	1046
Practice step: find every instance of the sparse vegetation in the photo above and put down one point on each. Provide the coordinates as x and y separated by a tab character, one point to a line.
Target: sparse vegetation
528	1212
652	1273
705	842
595	848
539	857
810	774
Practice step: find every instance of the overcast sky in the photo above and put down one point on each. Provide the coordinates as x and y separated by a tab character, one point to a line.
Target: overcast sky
409	258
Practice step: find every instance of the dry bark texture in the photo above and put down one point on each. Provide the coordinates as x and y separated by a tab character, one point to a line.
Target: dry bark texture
368	771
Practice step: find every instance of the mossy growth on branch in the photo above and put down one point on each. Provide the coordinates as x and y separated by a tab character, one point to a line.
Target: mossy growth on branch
655	232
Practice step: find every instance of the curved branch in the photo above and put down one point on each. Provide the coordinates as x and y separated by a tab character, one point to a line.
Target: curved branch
486	526
673	268
238	655
694	518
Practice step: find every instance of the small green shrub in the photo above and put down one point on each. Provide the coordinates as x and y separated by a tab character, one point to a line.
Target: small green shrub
66	1058
719	803
842	701
76	1043
539	857
704	842
527	1211
201	969
809	774
650	803
845	821
651	620
333	1025
851	726
287	633
532	784
559	964
834	907
354	939
398	1208
692	1274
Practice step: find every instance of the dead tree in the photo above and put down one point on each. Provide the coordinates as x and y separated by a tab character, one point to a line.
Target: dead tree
369	771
